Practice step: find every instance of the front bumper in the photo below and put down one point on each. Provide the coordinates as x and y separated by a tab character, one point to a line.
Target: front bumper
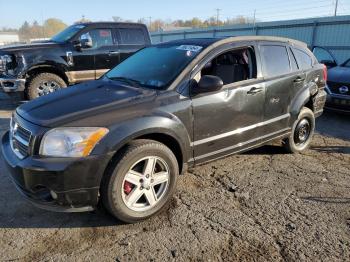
9	84
56	184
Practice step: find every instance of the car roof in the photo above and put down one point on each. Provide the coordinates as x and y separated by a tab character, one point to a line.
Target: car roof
111	23
205	42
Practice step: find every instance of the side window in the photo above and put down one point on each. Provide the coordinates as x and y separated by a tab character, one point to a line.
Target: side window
130	36
275	60
99	37
303	59
232	66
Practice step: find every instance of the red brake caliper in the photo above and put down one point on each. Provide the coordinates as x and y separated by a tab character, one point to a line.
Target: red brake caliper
128	187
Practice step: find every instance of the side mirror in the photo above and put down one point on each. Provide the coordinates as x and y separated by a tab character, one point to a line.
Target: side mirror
208	83
86	43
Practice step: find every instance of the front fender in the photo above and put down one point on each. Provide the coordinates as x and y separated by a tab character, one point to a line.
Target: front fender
122	133
33	61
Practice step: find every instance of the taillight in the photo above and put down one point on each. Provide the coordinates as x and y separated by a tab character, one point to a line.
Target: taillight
325	74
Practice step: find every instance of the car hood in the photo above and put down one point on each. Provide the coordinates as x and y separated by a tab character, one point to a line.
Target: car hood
91	103
339	74
23	47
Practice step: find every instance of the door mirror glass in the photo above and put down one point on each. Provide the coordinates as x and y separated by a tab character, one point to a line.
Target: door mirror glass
86	40
208	83
324	56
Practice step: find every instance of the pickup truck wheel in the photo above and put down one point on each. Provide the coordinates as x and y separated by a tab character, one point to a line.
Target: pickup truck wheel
43	84
302	132
141	181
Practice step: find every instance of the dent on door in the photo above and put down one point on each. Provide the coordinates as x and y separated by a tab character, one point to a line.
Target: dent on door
227	121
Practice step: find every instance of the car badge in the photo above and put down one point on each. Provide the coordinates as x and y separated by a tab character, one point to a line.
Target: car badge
343	89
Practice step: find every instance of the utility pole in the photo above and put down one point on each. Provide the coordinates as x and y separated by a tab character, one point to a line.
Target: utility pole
336	8
217	15
254	19
150	22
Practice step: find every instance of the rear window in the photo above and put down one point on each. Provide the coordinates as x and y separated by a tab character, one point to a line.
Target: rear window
275	60
130	36
303	59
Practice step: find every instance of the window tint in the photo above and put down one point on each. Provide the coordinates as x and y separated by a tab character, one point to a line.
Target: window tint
232	66
303	59
275	60
99	37
132	36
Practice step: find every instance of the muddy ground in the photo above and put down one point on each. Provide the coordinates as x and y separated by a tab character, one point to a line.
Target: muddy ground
258	206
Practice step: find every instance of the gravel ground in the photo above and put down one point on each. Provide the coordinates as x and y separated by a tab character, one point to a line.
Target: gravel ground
258	206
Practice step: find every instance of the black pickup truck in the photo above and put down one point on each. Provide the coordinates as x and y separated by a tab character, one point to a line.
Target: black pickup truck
125	138
80	52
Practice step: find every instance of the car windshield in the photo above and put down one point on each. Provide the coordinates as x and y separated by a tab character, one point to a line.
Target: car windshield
155	67
67	33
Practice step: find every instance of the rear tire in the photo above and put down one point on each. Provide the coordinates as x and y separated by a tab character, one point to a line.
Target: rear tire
43	84
140	182
302	132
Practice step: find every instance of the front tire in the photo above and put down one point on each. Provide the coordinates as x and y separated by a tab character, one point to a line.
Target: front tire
43	84
140	182
302	132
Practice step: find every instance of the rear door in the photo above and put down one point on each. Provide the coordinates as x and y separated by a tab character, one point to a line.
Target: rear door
131	39
281	83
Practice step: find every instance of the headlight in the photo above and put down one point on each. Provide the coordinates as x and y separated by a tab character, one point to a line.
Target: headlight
71	141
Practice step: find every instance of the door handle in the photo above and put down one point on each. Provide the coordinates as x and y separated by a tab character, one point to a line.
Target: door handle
298	80
254	90
110	53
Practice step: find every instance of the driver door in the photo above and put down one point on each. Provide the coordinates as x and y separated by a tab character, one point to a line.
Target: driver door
227	120
91	62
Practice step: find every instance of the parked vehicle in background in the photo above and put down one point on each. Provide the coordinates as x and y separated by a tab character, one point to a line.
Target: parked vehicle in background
338	82
125	138
80	52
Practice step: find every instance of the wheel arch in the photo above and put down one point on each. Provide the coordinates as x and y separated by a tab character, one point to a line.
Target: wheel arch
303	99
160	136
38	69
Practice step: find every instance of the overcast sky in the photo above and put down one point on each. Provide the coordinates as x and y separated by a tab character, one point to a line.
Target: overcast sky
15	12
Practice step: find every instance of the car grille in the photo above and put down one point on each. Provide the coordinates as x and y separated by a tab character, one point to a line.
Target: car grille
2	65
20	139
336	88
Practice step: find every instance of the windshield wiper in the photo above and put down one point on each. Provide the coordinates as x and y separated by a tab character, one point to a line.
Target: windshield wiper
132	82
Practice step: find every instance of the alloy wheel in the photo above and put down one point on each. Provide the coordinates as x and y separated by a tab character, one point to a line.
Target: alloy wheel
145	184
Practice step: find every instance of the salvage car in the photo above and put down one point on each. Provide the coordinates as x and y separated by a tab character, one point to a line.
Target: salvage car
79	53
338	83
125	138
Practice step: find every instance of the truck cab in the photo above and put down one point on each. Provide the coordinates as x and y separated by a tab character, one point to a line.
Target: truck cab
79	53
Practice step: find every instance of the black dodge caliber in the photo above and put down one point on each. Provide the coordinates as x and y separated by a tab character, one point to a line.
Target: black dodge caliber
124	139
